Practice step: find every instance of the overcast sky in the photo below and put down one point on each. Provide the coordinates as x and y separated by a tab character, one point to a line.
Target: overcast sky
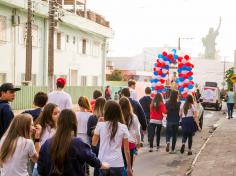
155	23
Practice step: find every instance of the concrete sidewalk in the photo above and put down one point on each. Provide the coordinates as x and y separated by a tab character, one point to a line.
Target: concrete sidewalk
218	158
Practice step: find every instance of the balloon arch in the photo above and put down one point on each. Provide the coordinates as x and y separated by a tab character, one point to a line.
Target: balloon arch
161	71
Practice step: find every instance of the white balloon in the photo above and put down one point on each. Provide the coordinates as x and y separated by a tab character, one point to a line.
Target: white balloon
161	60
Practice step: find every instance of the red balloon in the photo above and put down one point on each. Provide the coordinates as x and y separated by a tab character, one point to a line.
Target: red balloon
170	56
164	53
154	69
163	64
181	75
152	95
158	64
191	82
184	95
188	64
185	85
190	73
180	59
180	65
159	72
156	87
162	81
186	57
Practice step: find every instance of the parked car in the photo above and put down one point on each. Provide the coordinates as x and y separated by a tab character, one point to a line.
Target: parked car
211	97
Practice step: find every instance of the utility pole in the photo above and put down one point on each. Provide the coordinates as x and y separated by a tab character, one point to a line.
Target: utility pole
28	64
51	22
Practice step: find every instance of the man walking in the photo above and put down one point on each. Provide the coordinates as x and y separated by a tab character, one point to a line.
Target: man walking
7	94
59	97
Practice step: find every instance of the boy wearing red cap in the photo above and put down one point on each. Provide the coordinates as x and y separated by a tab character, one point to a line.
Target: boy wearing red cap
59	96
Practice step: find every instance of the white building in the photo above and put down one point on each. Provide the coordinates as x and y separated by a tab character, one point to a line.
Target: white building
204	70
80	45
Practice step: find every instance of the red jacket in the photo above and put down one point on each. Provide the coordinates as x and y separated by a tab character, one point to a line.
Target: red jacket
157	115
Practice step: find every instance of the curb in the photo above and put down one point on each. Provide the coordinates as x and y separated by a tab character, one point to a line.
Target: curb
214	127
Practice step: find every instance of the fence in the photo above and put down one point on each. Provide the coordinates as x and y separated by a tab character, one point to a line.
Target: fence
24	98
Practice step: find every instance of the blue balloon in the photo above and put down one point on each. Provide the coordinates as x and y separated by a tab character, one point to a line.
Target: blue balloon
190	78
174	51
167	67
190	86
181	79
179	70
177	80
156	80
160	56
181	89
155	64
163	75
175	56
152	88
155	73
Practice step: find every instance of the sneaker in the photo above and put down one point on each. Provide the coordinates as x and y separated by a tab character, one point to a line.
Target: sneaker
151	150
172	152
167	147
190	152
182	149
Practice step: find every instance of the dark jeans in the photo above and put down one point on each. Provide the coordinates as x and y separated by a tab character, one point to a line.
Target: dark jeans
152	129
172	131
188	136
230	107
113	171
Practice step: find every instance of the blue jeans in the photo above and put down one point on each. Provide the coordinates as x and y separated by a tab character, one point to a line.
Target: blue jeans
172	131
113	171
230	107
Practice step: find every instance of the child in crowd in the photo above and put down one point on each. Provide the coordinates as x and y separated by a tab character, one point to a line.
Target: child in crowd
16	146
40	100
157	109
112	133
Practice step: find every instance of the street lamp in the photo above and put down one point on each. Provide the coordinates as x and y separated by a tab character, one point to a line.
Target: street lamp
183	38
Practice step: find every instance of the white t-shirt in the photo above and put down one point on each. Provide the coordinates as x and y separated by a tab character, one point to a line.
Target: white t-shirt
133	94
82	119
134	130
47	133
190	111
60	98
17	165
110	151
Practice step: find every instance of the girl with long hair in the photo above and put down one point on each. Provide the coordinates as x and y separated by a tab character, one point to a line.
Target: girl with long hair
157	109
48	121
64	153
92	122
173	107
16	146
131	121
189	123
111	133
82	118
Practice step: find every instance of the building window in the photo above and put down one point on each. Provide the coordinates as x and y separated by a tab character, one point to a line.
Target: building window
83	81
3	77
3	26
33	78
84	43
67	38
59	40
96	49
95	81
74	40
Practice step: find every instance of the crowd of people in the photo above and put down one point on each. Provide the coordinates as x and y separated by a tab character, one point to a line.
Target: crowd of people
53	139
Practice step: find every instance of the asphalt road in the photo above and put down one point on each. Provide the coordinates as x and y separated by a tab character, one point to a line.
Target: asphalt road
161	163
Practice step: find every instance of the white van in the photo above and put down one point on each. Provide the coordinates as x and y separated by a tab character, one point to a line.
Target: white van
211	97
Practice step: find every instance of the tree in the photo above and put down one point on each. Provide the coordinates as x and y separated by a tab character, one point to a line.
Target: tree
228	74
116	75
